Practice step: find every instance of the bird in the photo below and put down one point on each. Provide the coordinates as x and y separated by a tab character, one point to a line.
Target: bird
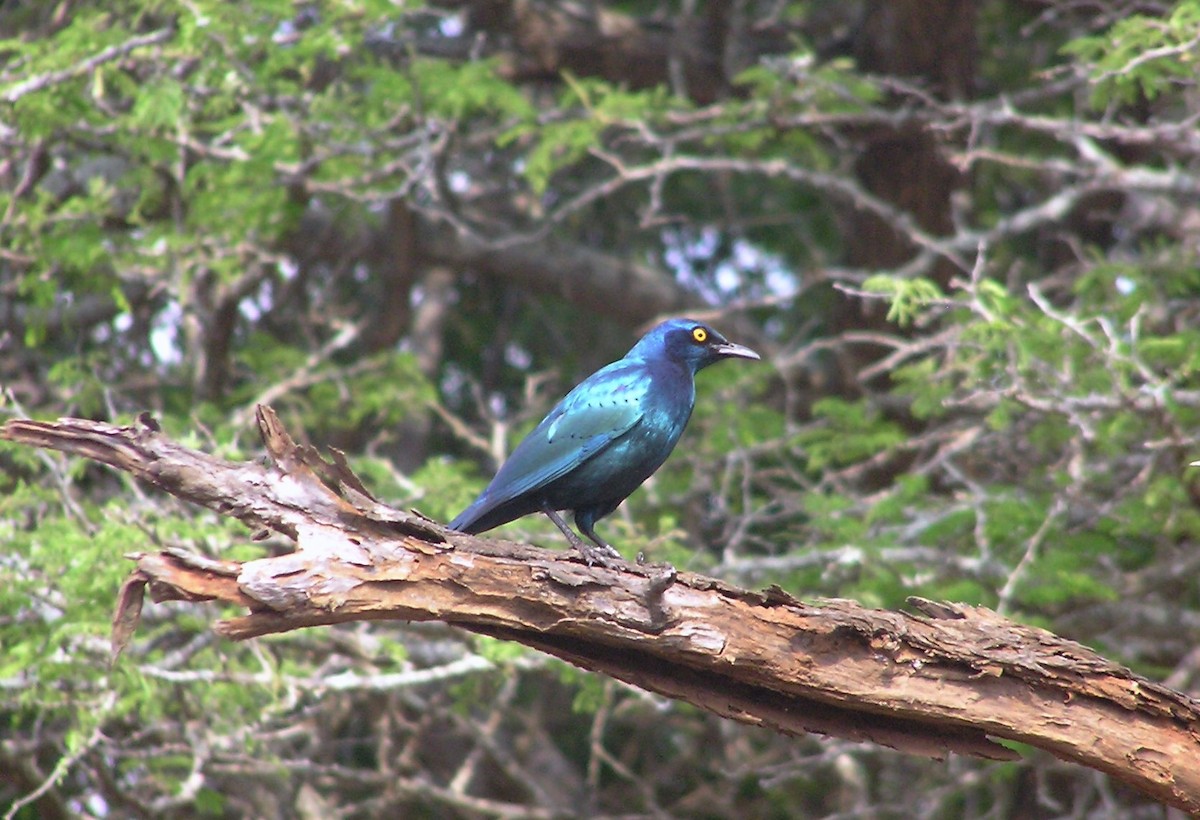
604	438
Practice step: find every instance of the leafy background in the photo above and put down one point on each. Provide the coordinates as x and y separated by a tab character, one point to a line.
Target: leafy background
964	235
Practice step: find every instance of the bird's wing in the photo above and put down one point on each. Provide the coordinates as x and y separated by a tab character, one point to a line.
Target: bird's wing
589	418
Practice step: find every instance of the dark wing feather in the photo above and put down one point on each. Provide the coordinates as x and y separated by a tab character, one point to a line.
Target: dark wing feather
591	417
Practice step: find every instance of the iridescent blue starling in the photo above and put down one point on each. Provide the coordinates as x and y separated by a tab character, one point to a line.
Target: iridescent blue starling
604	438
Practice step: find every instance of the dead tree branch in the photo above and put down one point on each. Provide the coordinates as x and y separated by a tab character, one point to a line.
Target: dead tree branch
951	678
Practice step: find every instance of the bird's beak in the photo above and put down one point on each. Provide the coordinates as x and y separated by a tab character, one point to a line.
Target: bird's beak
730	350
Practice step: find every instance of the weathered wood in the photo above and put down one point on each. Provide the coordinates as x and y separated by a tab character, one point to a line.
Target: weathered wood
947	678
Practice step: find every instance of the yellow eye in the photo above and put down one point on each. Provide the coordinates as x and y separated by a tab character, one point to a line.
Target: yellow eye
699	335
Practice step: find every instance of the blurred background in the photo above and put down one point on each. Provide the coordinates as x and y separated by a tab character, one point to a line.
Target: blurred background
964	235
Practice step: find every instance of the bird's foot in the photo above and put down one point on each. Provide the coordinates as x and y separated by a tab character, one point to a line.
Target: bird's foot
602	554
597	552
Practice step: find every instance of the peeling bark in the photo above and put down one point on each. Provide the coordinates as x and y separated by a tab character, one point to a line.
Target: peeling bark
947	678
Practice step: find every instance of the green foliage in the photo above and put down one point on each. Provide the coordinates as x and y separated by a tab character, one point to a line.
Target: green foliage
799	81
834	518
559	145
918	383
1008	355
728	424
593	107
451	486
589	689
501	653
1141	55
161	104
851	432
466	90
895	507
1062	579
908	297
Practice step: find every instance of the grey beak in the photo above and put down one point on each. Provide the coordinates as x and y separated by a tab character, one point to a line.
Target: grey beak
730	350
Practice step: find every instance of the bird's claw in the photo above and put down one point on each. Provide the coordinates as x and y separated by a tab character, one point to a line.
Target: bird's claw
604	555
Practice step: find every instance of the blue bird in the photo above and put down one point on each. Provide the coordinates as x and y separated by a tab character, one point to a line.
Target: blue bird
605	437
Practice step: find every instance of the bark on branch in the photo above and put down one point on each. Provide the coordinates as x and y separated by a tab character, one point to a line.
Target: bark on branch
949	678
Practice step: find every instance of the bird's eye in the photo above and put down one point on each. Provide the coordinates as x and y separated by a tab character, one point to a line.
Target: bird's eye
699	335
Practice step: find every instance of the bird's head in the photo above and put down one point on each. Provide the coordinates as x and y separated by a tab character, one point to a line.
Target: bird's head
692	343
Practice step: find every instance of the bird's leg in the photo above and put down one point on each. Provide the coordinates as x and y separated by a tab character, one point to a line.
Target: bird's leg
553	515
590	554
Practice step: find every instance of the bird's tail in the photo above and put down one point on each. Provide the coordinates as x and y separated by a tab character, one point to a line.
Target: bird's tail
472	520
